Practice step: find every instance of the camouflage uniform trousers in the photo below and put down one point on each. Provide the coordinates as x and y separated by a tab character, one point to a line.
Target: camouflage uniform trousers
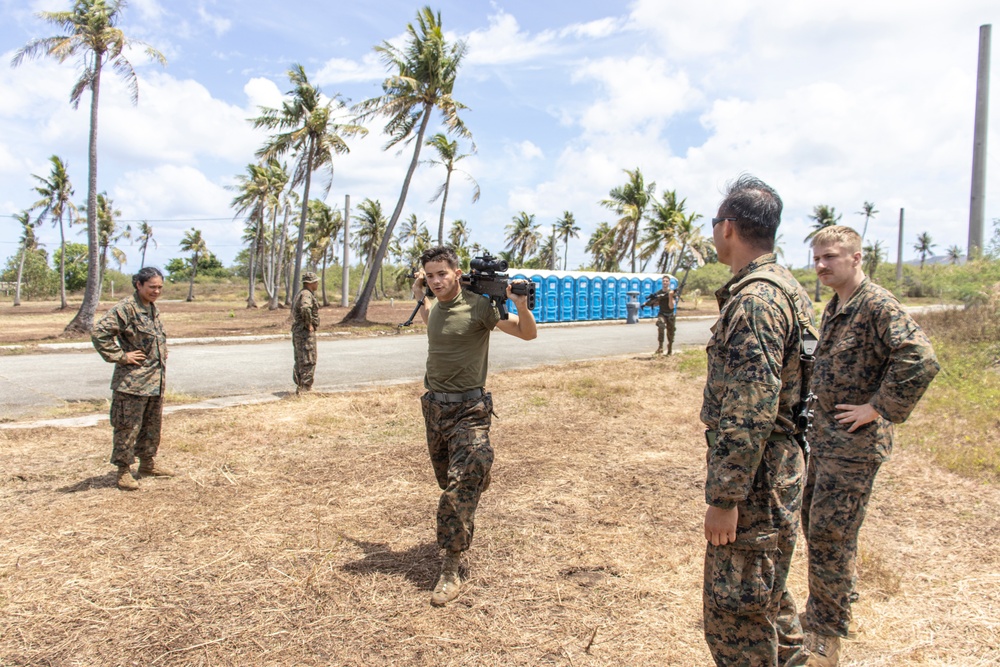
834	505
666	324
304	343
458	439
136	421
750	617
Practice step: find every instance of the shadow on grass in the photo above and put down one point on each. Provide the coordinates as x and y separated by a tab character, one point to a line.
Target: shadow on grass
106	481
419	564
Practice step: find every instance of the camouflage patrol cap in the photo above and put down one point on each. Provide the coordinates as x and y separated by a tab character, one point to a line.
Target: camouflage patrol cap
309	277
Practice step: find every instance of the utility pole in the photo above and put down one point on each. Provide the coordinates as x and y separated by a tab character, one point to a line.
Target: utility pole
977	201
345	282
899	253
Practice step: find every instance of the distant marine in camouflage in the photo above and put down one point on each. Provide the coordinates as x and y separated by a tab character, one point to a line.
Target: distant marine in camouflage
305	322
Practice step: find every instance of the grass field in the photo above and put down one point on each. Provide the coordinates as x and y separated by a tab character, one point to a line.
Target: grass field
302	533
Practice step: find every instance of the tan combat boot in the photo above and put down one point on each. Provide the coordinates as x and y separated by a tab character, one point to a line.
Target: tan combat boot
448	583
824	651
150	468
125	480
659	351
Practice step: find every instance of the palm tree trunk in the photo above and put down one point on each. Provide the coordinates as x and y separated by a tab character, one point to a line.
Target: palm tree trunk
83	322
278	271
326	302
565	251
20	272
300	243
252	287
359	313
194	271
62	265
444	202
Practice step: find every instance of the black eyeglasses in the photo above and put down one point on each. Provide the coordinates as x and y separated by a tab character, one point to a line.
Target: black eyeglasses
716	221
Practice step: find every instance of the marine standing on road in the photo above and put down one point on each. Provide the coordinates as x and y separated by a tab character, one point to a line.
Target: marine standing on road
305	321
666	319
755	467
131	336
872	366
457	409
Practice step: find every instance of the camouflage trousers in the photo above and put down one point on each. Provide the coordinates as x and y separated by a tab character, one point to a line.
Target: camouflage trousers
834	505
666	324
750	617
136	422
458	439
304	344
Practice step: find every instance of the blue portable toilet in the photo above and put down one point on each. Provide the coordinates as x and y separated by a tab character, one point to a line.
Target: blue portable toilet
610	297
550	312
567	308
648	285
597	298
635	285
539	310
581	305
622	310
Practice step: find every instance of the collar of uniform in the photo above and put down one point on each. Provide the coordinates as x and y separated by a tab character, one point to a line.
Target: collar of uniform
851	303
148	309
722	294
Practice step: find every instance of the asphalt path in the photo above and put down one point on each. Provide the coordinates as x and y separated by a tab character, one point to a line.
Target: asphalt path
30	384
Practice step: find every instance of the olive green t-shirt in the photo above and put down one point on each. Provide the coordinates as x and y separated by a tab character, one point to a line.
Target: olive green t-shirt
458	342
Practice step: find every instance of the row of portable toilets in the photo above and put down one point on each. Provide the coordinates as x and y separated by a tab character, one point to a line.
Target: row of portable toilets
573	296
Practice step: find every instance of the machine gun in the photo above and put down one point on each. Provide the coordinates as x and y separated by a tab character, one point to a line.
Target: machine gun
488	276
803	410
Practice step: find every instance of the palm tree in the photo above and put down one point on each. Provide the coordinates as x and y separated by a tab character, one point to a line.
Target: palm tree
630	201
108	234
259	193
57	193
448	157
194	244
604	248
282	258
522	236
695	247
923	246
28	244
955	254
661	231
871	256
423	77
371	232
823	216
306	127
867	210
145	237
91	33
547	253
566	229
411	231
324	225
458	235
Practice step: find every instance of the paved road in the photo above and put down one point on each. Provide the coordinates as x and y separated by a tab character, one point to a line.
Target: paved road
31	383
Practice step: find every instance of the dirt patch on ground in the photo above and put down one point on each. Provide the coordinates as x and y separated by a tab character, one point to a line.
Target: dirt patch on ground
302	533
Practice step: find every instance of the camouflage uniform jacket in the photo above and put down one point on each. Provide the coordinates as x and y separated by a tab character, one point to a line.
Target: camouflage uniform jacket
130	326
665	301
870	351
305	311
754	377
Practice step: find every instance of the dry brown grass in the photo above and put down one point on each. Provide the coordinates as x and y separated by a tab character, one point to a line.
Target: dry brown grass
302	533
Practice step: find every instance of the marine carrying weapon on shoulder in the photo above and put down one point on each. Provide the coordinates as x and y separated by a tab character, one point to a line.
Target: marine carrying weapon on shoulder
803	410
488	276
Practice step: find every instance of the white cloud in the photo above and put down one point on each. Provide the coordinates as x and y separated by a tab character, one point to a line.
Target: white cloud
149	10
341	70
218	24
503	43
526	150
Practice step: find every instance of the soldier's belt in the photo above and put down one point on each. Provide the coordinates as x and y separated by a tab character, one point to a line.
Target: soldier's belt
448	397
711	436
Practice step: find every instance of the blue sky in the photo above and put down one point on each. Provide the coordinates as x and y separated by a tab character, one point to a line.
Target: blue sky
831	103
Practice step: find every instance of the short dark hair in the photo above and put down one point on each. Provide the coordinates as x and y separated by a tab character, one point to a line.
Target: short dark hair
441	253
757	209
145	273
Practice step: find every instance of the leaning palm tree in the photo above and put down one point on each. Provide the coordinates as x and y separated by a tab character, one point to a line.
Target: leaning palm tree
448	157
92	35
29	243
522	236
145	238
604	249
630	202
867	210
109	233
924	246
57	192
306	126
423	76
566	229
194	244
823	216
